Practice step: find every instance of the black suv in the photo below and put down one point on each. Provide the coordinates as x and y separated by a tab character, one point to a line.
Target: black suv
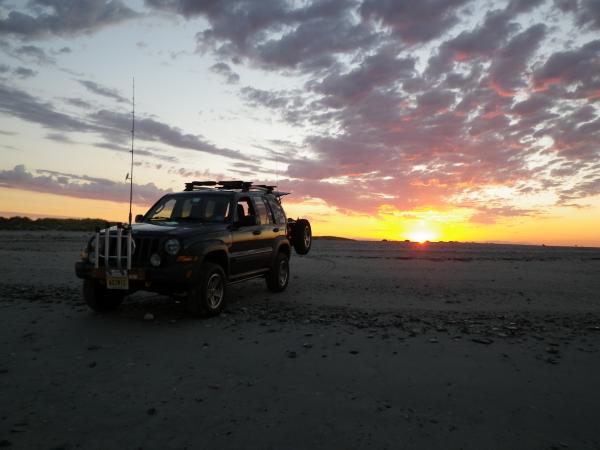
194	243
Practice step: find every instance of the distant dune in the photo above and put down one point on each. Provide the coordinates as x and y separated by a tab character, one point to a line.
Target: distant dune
50	224
332	238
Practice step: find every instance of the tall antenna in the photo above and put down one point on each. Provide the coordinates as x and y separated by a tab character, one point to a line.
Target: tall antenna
132	140
276	169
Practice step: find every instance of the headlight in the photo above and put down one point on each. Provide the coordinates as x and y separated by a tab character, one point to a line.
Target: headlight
155	260
172	247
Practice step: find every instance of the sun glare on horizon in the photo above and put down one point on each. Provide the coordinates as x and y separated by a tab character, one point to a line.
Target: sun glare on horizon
422	236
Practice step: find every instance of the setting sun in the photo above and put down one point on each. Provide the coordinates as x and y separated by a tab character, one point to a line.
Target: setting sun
422	236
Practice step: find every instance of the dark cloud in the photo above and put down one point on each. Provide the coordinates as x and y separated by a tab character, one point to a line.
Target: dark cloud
480	42
32	53
79	186
115	126
17	103
103	91
64	17
59	137
148	129
313	44
314	32
566	5
380	71
79	103
269	99
533	105
579	68
157	154
23	72
509	67
589	13
224	69
522	6
414	21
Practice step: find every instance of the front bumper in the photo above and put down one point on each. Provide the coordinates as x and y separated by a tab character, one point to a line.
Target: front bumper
147	277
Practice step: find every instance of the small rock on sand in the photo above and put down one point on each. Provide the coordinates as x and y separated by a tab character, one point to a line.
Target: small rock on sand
148	316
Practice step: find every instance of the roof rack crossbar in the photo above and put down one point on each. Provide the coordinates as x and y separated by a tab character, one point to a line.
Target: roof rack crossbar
193	184
244	186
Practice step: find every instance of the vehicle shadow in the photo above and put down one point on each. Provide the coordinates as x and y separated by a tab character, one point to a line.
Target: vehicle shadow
155	307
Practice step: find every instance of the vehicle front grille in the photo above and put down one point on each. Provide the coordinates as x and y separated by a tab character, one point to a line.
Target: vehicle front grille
142	249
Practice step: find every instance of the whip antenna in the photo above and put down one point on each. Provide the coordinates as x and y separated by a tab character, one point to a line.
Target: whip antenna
132	140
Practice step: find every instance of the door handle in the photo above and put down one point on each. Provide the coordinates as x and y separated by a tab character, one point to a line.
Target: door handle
275	230
256	232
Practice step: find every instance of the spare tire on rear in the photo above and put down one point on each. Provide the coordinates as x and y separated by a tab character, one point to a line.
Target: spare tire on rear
302	236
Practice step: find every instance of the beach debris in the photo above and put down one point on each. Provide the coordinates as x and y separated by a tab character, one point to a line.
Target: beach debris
5	443
434	340
484	341
148	316
307	345
92	364
93	347
354	352
151	411
290	354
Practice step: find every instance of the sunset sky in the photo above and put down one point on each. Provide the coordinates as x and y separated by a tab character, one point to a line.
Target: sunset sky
432	119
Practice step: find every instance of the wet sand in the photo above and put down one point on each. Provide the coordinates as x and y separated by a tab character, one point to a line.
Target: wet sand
373	345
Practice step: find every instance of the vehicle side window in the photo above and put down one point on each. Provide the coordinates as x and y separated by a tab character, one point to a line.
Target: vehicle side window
244	208
277	211
263	212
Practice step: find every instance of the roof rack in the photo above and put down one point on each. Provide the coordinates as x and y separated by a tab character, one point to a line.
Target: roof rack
244	186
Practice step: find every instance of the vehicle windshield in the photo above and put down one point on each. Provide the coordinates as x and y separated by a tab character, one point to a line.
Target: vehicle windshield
191	208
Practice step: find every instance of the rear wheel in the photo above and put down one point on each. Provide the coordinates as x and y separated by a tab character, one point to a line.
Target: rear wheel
207	298
101	299
279	275
302	236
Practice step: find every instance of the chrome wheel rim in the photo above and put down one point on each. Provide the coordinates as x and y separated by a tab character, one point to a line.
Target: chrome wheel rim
283	272
214	291
306	237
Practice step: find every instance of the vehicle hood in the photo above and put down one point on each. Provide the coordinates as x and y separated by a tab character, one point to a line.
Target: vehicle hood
174	229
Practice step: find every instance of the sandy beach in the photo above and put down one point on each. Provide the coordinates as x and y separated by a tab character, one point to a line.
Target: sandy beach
373	345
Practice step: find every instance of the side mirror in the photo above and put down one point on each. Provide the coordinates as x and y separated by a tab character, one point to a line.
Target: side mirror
139	218
247	221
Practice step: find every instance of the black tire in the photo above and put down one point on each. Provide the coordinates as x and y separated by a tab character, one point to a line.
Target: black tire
207	297
101	299
279	275
302	236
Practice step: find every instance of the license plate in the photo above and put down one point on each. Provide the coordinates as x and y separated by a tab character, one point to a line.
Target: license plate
117	279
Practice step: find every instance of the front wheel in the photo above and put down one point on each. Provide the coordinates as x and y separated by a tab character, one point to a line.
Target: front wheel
207	298
101	299
279	275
